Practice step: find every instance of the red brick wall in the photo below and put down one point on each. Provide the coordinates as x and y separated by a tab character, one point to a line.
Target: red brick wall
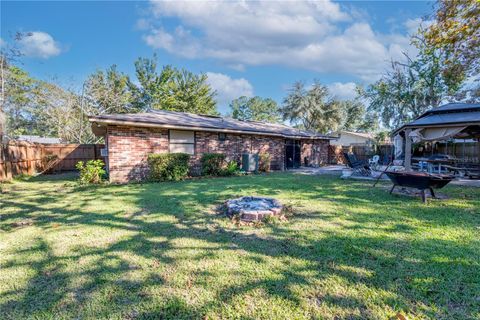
129	147
236	144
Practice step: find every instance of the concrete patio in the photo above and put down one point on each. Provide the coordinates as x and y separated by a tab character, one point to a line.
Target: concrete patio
336	169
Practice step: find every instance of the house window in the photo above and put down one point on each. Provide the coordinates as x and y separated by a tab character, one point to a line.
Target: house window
182	141
222	136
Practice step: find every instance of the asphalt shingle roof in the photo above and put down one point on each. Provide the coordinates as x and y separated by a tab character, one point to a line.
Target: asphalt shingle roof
185	121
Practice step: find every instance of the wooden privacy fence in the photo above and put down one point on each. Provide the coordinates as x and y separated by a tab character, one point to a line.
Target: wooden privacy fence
469	151
19	157
385	151
362	152
335	155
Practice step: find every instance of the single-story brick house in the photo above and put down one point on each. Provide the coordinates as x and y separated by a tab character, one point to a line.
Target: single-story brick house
129	138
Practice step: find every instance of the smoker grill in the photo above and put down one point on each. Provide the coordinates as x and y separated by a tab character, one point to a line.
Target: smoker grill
419	180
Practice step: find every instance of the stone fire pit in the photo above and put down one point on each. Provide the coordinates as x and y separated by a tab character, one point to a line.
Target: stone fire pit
253	208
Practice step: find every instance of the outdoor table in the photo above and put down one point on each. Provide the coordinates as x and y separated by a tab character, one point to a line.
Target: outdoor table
432	162
458	165
440	162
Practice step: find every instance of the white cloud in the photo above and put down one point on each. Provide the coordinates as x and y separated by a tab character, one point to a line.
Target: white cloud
344	91
180	39
39	44
2	43
412	25
142	24
228	88
314	35
399	45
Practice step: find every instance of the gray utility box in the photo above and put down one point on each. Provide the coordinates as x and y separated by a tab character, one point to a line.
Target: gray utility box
249	162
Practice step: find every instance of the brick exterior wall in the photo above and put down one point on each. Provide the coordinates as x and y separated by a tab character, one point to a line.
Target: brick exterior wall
237	144
128	148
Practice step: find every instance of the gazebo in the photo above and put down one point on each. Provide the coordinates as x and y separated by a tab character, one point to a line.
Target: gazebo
428	137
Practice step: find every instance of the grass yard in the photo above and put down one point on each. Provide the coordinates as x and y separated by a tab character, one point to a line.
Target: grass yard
150	251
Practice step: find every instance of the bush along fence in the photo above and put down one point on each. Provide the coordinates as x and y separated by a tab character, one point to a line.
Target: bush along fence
91	172
20	157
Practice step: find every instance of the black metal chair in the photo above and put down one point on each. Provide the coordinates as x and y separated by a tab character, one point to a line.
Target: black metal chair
360	168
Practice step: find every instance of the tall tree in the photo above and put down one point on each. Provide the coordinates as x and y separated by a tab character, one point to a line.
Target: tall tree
312	109
256	109
18	103
354	116
190	92
153	87
456	32
62	113
173	89
447	62
9	53
42	108
109	91
407	90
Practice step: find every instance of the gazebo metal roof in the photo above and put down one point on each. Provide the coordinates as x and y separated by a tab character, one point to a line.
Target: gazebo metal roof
451	114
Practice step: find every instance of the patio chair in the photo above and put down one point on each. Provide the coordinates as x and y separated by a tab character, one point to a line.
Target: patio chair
359	167
373	163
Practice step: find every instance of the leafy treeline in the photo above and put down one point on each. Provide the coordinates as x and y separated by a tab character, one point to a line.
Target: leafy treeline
317	110
255	109
36	107
445	69
312	109
43	108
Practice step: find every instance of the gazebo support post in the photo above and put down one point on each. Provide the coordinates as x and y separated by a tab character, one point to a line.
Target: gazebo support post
408	150
478	152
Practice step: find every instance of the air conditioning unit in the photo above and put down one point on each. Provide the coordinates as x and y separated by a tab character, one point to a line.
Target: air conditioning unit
104	152
249	162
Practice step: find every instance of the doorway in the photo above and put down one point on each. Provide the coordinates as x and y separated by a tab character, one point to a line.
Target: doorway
292	154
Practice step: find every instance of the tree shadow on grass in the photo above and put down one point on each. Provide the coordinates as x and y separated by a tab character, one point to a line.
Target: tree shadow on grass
428	277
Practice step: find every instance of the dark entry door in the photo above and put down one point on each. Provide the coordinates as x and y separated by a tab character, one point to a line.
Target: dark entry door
292	154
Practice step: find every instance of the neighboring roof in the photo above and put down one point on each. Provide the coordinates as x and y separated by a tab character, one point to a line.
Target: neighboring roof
448	115
190	121
359	134
38	139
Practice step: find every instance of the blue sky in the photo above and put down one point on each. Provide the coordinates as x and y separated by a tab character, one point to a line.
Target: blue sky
246	48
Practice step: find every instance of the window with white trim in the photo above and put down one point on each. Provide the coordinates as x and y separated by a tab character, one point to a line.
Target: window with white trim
181	141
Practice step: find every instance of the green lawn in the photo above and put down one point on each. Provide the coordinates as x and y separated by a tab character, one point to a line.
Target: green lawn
155	251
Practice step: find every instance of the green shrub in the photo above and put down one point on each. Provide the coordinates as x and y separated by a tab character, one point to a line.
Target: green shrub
22	177
231	169
264	162
168	166
91	172
213	164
